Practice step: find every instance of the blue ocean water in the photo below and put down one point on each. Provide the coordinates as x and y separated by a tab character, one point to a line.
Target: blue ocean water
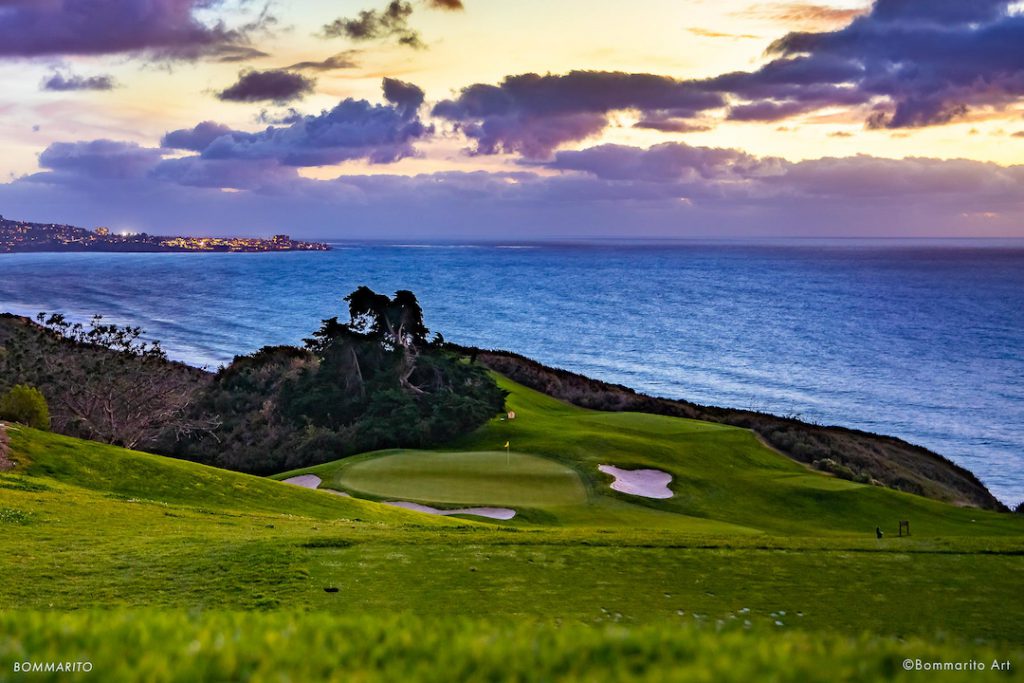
921	340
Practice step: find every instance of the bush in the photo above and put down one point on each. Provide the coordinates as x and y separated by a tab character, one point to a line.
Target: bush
25	405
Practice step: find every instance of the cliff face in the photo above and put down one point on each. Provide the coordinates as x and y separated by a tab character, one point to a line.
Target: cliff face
847	453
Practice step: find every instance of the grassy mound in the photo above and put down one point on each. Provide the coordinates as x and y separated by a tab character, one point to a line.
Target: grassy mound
172	647
465	478
87	466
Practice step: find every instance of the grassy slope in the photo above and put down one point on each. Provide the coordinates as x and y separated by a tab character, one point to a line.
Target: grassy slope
724	479
85	526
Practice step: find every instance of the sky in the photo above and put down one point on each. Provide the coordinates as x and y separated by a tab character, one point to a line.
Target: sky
553	119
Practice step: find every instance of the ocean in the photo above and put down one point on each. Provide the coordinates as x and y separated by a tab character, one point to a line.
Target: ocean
922	340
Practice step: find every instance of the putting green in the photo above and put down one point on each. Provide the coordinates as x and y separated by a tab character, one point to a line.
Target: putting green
475	477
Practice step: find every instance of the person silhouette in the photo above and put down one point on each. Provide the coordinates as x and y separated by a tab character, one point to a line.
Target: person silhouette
878	532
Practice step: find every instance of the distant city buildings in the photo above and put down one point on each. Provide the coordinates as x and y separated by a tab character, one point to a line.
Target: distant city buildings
17	236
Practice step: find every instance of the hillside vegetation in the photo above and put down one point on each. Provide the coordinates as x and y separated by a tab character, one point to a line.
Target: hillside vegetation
374	381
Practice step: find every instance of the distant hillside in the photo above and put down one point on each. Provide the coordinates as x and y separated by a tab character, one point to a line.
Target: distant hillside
25	236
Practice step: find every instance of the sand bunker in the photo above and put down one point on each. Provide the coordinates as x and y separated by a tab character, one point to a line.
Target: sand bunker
311	481
492	513
306	481
646	483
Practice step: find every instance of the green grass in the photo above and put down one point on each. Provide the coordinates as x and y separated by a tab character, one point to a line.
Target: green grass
725	480
570	587
467	477
121	647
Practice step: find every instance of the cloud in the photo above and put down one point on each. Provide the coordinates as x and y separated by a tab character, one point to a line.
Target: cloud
167	29
98	160
59	82
666	162
195	139
341	60
390	23
808	15
407	97
454	5
707	33
533	114
671	189
926	63
273	85
287	116
354	129
670	125
262	175
901	64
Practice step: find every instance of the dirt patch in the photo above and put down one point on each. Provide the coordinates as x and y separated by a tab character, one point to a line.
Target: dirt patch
5	451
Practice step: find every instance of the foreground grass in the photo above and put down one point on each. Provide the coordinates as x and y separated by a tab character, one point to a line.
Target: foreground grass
67	546
282	647
585	584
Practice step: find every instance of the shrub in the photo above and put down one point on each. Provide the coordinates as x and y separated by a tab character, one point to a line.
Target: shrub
26	405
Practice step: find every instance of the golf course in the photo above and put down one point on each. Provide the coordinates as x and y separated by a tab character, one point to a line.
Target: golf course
755	566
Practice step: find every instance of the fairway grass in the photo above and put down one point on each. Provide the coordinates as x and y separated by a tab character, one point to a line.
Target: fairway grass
219	576
724	480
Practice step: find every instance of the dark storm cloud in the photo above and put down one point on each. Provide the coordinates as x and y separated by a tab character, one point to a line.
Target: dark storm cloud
904	63
390	23
534	114
769	111
341	60
667	124
166	29
454	5
407	97
355	129
59	82
274	85
928	63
